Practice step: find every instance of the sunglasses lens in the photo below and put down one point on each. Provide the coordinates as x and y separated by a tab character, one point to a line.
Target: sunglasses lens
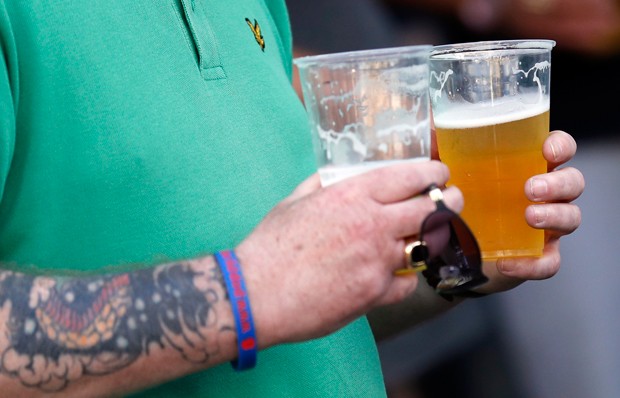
436	231
455	264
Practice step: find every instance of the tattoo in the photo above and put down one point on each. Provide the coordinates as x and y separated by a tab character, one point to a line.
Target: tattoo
61	329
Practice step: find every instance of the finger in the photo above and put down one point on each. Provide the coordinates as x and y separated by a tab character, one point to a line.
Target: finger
562	218
401	287
405	217
311	184
506	273
532	268
559	148
565	184
403	181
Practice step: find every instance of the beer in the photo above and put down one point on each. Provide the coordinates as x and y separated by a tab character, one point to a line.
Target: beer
490	159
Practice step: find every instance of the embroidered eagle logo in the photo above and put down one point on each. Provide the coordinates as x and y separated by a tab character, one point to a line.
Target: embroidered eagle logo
255	27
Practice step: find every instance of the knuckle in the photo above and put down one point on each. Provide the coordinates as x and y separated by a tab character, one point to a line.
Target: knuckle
576	217
343	194
565	218
578	179
432	170
552	267
363	228
453	197
568	183
571	143
400	294
576	175
372	281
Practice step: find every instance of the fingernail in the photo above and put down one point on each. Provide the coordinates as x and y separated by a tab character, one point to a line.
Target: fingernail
538	188
540	216
556	151
501	265
508	267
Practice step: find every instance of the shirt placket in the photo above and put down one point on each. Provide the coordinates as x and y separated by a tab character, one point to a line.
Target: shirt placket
204	38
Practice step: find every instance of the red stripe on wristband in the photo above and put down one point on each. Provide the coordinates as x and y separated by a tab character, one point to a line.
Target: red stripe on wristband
240	303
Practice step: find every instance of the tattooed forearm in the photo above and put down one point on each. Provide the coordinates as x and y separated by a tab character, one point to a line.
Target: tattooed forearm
59	329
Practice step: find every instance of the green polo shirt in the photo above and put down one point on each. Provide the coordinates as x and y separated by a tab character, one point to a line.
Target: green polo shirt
139	132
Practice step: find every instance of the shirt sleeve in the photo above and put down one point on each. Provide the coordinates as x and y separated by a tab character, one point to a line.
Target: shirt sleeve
8	94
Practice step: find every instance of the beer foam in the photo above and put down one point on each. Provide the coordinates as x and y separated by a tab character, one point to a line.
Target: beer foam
470	116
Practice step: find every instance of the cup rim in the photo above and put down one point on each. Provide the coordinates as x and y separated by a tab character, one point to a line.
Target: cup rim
492	45
362	55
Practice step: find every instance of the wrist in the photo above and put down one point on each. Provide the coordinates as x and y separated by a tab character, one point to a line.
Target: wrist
247	345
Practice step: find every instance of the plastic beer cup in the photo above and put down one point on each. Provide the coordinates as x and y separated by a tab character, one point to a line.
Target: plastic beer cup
490	105
367	108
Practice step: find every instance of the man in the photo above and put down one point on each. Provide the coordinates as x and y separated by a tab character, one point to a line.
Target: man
135	140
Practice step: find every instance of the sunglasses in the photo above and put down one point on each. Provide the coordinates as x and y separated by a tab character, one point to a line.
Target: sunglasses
447	251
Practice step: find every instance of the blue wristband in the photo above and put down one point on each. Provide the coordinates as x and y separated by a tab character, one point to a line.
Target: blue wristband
240	303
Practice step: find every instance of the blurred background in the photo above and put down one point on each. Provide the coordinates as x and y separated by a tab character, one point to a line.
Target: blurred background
547	339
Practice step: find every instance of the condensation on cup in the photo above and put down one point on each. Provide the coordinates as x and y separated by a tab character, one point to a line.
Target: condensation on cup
367	109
